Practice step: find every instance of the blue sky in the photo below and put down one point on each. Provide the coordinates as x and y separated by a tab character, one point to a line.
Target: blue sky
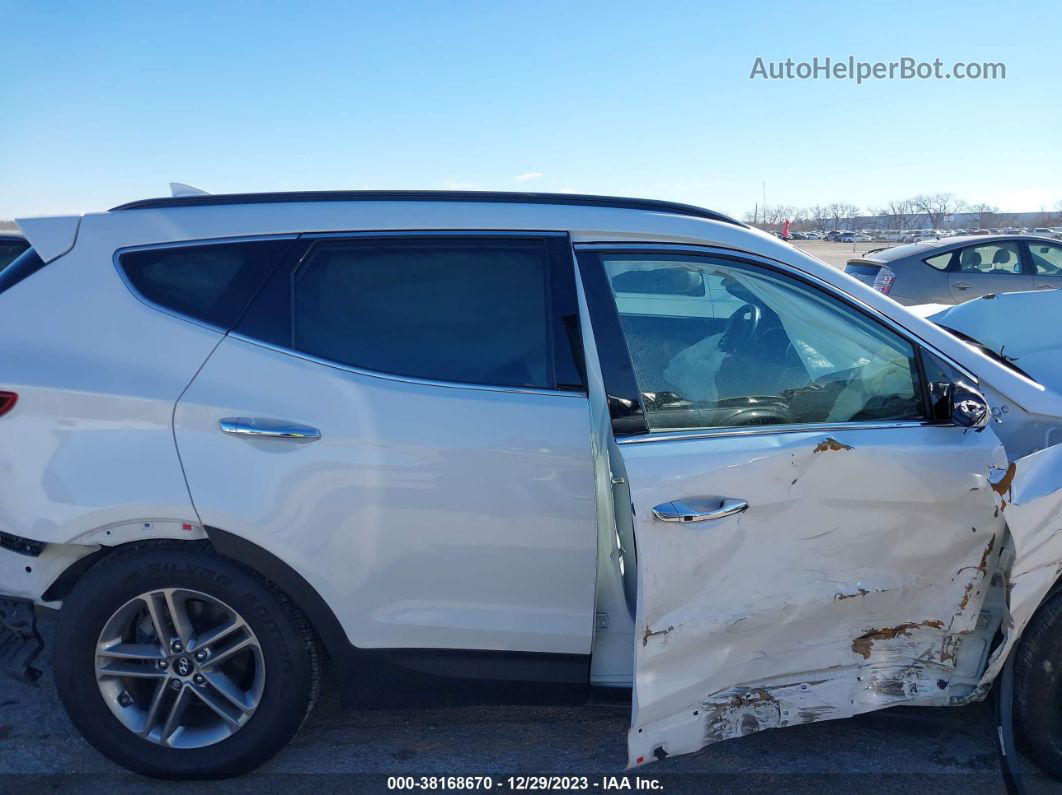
104	102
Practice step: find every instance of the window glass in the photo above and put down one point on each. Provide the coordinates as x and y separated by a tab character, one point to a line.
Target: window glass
940	262
1047	258
757	349
213	283
472	311
991	258
9	249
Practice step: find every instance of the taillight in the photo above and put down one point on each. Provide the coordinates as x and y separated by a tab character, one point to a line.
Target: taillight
883	281
7	402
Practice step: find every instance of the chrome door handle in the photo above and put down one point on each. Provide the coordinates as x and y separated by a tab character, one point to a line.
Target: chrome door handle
699	509
274	429
962	285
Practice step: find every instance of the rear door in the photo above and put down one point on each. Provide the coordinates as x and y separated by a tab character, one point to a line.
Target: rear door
810	546
403	421
994	267
1045	260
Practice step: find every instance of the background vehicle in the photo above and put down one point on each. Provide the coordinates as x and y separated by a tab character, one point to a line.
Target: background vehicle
524	443
956	269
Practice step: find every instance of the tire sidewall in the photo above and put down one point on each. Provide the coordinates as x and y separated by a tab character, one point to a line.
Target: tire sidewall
114	582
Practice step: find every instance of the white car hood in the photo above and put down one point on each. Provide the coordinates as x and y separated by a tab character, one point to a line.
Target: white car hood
1020	327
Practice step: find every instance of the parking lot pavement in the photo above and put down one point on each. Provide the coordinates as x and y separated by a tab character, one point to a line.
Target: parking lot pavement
836	254
898	750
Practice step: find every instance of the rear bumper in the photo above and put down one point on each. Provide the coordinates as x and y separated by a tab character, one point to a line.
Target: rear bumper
20	641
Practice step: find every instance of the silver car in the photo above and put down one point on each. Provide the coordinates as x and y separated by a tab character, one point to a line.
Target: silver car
956	269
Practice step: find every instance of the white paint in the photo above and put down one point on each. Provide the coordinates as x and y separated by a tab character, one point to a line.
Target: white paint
426	516
50	236
1019	326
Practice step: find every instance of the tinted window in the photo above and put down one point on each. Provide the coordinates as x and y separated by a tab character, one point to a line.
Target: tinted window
760	349
26	264
991	258
9	249
1047	258
471	311
213	283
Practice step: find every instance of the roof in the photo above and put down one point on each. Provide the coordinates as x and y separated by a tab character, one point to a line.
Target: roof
576	199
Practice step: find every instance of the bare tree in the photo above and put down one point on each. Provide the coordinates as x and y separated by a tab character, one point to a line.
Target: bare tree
839	212
936	207
984	215
899	213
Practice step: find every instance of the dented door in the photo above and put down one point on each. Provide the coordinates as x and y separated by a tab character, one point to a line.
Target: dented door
848	584
812	542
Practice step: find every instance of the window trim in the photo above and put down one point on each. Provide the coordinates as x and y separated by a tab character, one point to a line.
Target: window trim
626	434
555	266
123	276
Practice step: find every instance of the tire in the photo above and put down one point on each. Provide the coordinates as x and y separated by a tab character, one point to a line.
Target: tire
269	661
1038	687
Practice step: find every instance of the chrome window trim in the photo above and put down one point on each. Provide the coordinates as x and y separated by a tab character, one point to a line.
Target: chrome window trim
788	270
185	244
405	379
765	430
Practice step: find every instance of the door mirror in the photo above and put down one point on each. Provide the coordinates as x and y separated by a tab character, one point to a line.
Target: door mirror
968	407
952	397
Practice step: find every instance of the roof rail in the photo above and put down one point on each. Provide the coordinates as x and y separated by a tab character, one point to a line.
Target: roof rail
511	197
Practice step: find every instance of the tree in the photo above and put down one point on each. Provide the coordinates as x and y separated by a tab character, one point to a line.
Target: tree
984	215
841	211
936	207
898	213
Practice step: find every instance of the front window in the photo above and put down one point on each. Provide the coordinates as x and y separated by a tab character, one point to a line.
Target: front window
993	259
1046	258
731	345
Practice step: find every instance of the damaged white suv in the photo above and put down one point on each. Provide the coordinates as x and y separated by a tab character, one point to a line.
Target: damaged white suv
529	443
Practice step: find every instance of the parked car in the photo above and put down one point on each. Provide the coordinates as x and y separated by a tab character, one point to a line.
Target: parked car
956	269
853	237
10	247
502	446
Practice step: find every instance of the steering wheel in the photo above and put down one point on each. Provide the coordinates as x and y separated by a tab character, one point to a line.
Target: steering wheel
740	327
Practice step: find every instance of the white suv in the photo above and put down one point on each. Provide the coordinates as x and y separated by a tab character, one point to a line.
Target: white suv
529	443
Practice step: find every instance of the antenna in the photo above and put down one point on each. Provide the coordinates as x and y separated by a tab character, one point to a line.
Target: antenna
180	189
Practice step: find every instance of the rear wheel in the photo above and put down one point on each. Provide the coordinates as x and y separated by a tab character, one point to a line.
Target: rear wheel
177	663
1038	687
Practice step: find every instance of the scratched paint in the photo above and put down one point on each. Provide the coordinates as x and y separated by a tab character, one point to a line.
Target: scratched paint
855	580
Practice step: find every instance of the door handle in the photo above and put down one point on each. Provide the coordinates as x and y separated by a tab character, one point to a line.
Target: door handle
699	509
1046	287
962	285
274	429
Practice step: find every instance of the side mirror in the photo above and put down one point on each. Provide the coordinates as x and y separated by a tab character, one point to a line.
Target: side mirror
968	407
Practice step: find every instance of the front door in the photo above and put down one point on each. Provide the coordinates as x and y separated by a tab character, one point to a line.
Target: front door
994	267
1046	261
810	545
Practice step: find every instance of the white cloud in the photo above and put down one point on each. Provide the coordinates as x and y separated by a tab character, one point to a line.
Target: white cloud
530	175
456	184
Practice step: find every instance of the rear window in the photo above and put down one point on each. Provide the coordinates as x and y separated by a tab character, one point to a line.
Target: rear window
940	262
212	283
10	249
26	264
470	311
